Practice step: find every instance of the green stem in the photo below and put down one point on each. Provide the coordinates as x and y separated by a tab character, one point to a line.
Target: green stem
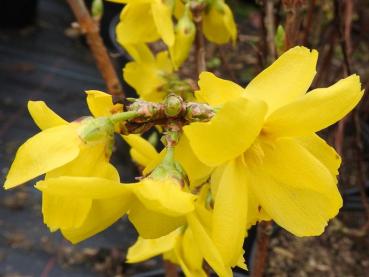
123	116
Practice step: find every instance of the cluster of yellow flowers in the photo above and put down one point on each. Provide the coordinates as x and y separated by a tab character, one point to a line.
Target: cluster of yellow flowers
146	21
255	157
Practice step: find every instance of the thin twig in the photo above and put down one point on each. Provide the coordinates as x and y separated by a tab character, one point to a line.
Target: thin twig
345	44
360	164
91	30
197	11
293	21
309	21
270	29
262	243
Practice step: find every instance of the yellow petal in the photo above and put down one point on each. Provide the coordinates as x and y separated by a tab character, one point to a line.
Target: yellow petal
99	103
154	163
162	14
190	254
136	24
144	249
43	152
232	130
153	73
295	189
43	116
196	171
218	24
315	111
216	91
230	211
290	163
163	62
206	246
64	211
287	79
103	213
143	151
322	151
150	224
241	261
83	187
91	161
179	8
67	212
139	52
164	196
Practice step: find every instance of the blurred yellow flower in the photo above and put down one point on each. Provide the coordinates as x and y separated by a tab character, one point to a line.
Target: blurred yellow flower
144	21
218	23
185	32
154	70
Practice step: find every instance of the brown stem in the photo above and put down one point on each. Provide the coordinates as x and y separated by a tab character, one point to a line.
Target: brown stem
270	29
91	30
262	243
197	11
170	269
309	21
293	21
346	48
360	165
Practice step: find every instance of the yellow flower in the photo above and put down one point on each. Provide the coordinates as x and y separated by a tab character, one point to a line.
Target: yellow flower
144	21
185	31
50	152
188	245
218	23
266	133
145	155
154	71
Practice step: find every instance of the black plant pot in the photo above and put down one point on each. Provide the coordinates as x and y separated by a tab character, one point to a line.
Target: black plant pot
15	14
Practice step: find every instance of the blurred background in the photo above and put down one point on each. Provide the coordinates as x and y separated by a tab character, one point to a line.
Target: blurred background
43	57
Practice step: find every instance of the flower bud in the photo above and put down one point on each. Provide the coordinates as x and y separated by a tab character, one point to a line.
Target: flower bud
95	130
173	105
185	31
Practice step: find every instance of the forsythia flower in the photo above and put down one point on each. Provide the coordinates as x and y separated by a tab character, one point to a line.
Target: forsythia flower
185	31
218	23
157	204
150	221
155	71
188	245
50	152
144	21
263	138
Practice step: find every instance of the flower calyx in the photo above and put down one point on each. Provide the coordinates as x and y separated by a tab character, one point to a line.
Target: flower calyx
95	130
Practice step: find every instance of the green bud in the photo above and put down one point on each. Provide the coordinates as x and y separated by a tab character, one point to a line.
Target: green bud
279	39
199	112
97	9
173	105
94	130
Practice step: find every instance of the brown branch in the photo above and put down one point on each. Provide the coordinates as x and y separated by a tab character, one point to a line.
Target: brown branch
270	29
197	11
262	242
170	269
293	21
309	21
346	49
91	30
